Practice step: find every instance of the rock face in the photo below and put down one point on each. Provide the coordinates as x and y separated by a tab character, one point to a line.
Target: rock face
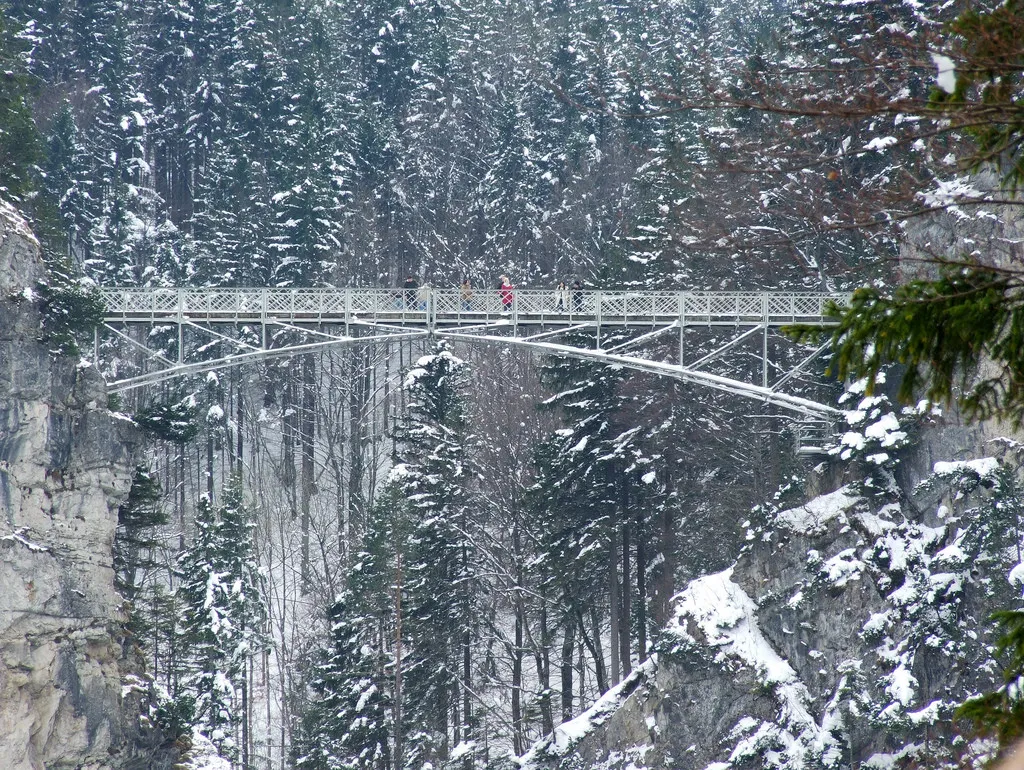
65	465
846	634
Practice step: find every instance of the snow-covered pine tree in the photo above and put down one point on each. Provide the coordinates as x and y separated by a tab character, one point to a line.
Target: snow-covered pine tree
348	724
512	192
245	99
68	183
19	142
440	618
306	244
135	545
222	627
115	143
202	683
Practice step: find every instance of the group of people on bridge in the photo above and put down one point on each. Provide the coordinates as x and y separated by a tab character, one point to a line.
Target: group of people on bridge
567	294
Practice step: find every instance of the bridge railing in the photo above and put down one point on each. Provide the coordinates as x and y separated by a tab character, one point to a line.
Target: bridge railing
430	305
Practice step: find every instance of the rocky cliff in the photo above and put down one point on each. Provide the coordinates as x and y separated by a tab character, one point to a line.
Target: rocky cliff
65	465
851	626
848	630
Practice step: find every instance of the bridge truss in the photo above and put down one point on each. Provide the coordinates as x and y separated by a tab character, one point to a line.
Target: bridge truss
618	328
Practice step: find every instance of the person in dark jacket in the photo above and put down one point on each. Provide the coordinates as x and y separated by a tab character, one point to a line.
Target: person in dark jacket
410	286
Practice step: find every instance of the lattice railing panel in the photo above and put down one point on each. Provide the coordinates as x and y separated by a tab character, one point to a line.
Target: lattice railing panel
448	305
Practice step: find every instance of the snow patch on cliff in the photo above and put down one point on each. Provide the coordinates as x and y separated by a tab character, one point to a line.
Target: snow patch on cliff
727	618
568	734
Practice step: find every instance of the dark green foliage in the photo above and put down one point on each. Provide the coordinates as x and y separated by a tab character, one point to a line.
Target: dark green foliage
135	521
138	567
940	330
172	420
989	81
224	614
176	716
943	329
71	307
348	724
67	183
1000	714
440	572
20	147
589	473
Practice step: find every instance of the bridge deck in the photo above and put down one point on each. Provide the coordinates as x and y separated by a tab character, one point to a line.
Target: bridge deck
432	308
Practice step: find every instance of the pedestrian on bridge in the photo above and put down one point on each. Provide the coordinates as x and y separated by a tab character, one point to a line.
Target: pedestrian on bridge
466	289
423	296
577	295
505	291
562	297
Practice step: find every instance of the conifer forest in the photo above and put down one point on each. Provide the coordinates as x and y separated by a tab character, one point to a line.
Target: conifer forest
416	554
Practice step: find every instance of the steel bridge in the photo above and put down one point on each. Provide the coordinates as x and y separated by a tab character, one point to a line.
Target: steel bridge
733	322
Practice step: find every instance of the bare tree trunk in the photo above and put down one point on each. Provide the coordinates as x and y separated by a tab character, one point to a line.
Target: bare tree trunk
398	660
239	422
518	736
627	614
307	424
543	656
456	721
641	598
288	422
598	651
582	666
467	712
246	717
568	646
359	390
664	586
266	685
518	744
466	641
181	496
229	444
613	604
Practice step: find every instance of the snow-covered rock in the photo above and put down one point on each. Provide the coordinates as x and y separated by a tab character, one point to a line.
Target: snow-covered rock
849	630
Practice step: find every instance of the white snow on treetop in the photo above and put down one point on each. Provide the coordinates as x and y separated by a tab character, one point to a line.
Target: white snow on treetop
1016	576
419	370
945	78
880	143
203	755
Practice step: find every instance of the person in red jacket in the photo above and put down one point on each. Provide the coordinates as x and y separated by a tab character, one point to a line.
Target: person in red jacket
505	291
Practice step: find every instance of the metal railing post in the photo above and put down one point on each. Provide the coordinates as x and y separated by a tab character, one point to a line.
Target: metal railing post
764	340
682	328
597	316
264	309
181	325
